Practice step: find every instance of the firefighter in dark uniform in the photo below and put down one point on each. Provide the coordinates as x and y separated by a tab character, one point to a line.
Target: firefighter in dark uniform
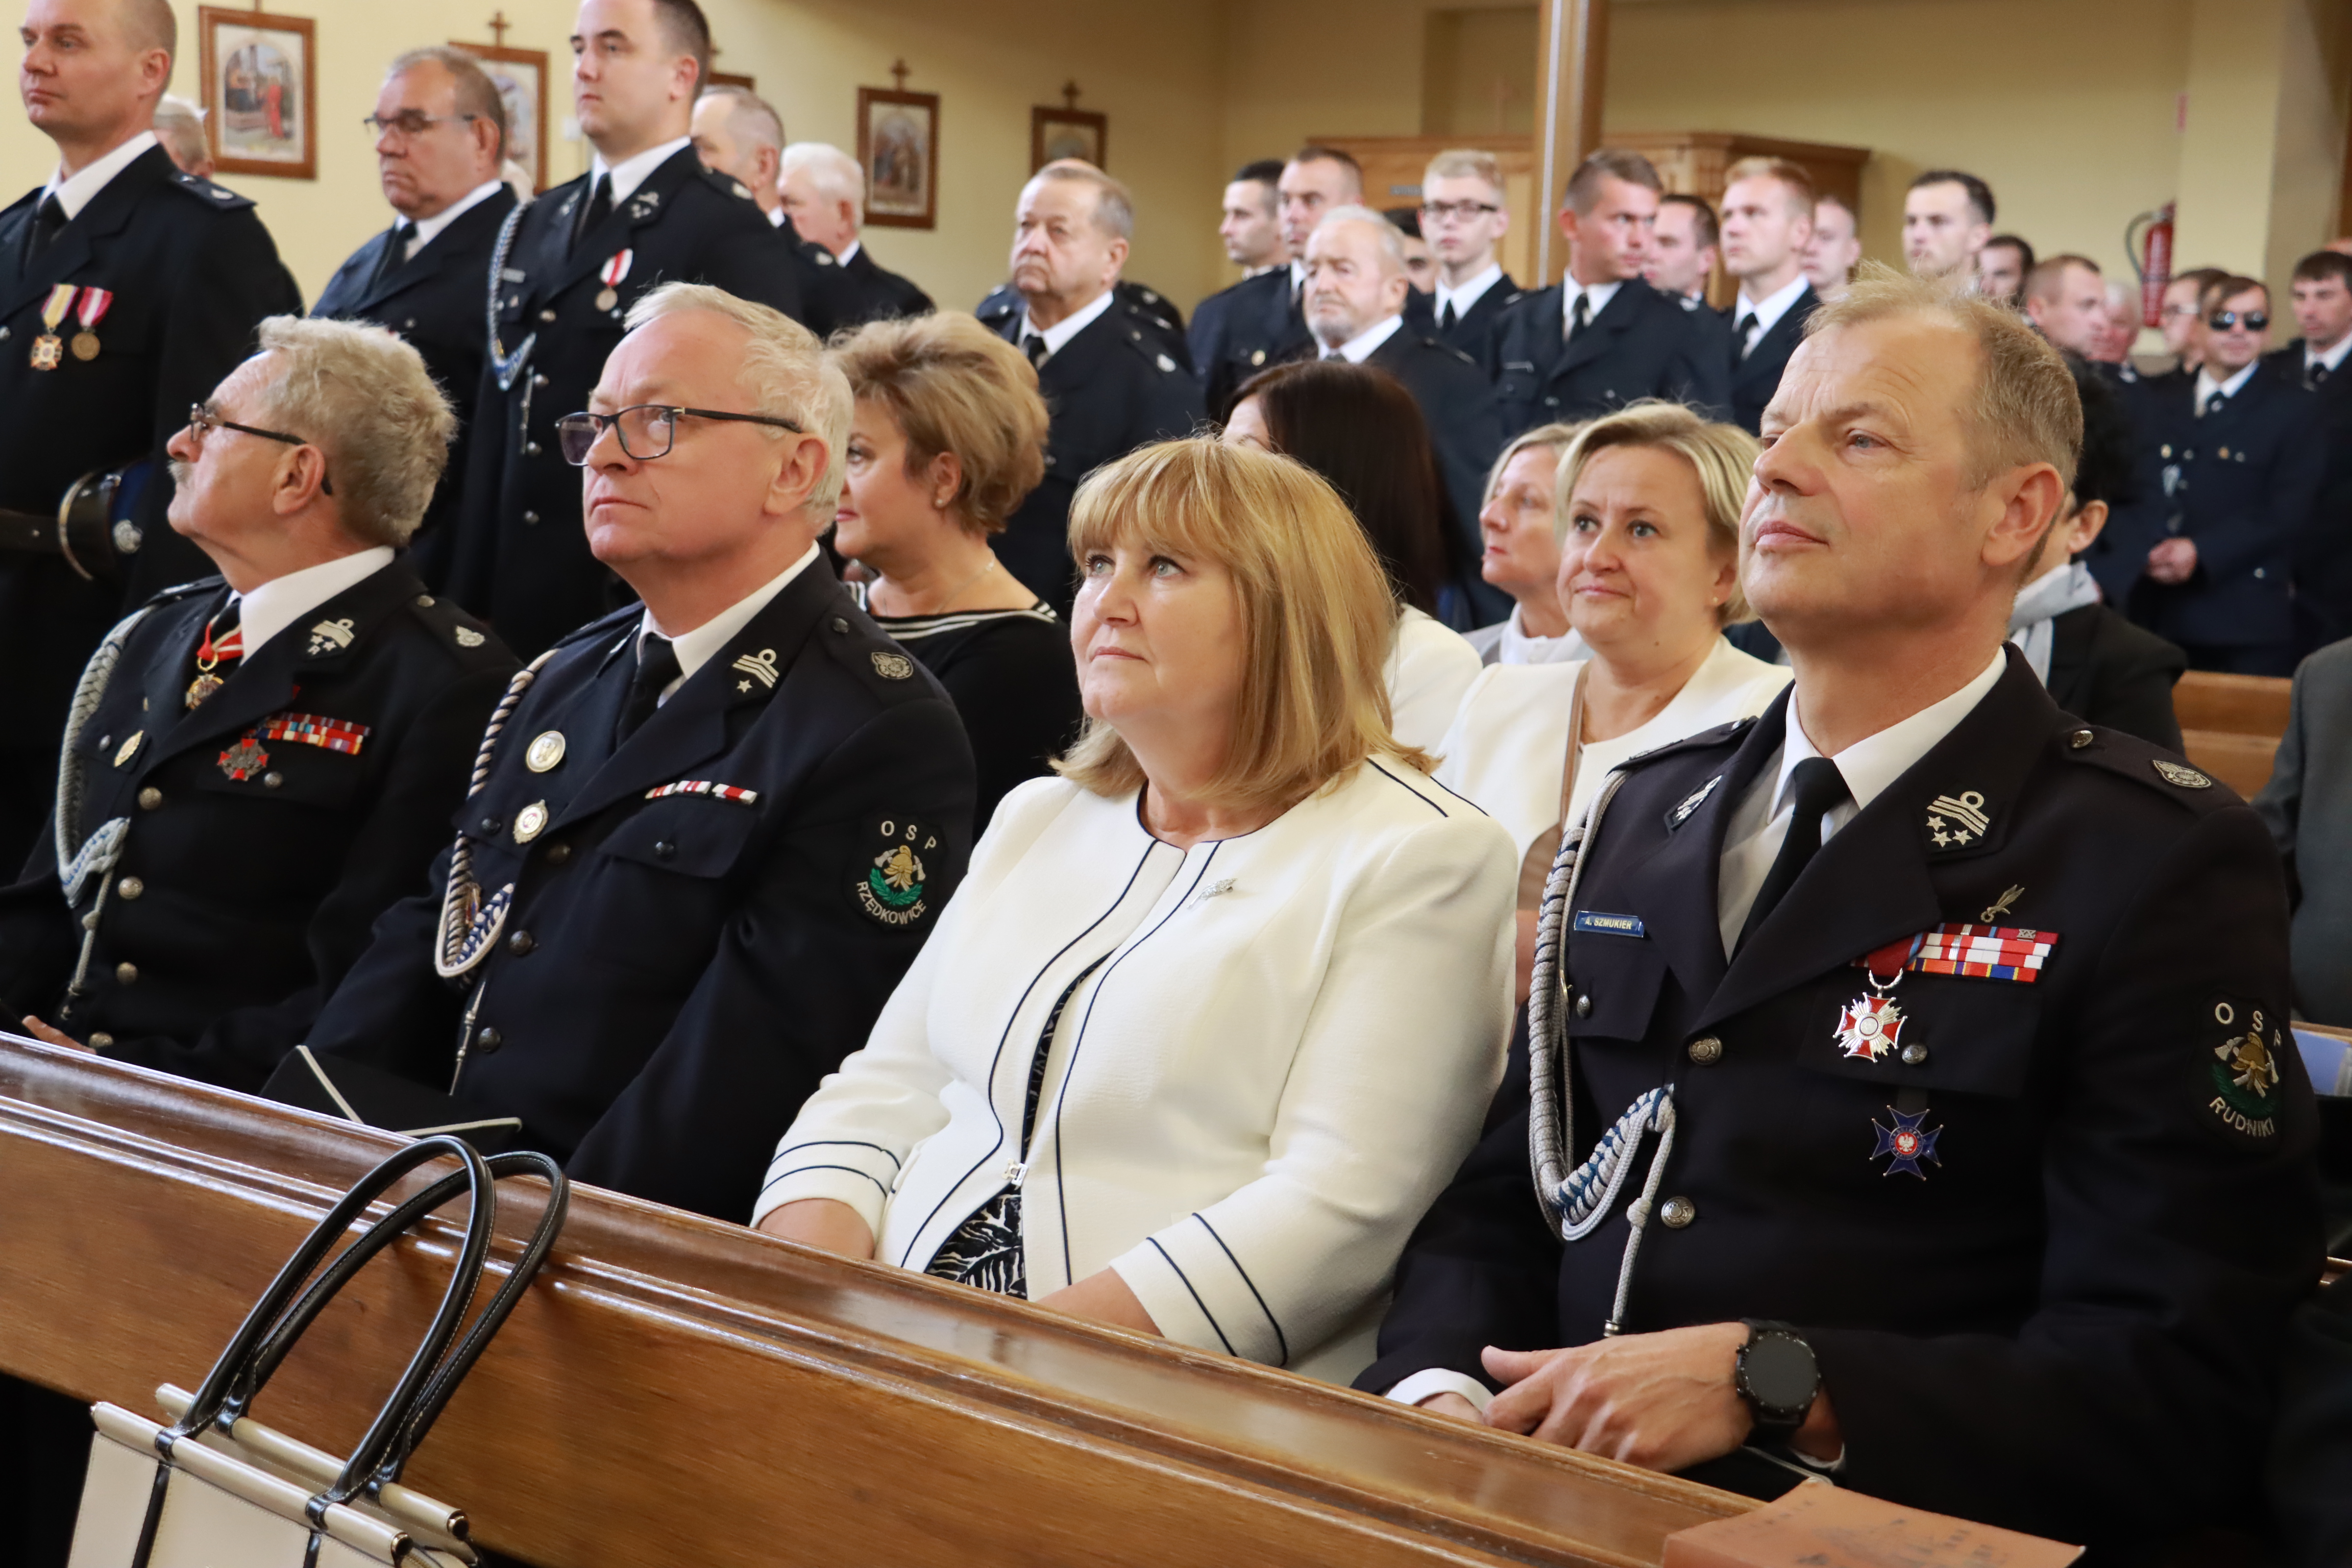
691	869
253	774
569	267
1925	1111
1108	379
127	292
1145	309
440	135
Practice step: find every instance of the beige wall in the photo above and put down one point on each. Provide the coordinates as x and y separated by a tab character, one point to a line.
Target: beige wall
1153	69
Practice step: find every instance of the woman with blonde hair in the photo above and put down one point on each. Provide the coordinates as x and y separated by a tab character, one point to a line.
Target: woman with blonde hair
1519	553
1648	505
947	436
1217	1013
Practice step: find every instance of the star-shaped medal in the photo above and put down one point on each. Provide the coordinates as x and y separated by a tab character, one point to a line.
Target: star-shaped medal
1907	1141
1868	1027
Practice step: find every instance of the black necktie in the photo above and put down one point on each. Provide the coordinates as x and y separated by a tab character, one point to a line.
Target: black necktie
656	668
1746	325
1035	347
599	207
2316	377
2213	403
1582	316
1820	788
395	253
49	217
1446	320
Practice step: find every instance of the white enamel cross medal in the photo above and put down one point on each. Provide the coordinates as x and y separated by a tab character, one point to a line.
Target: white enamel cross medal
1871	1026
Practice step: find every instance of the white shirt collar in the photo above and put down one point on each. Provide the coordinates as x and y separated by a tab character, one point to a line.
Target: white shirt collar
630	172
2333	358
75	193
1871	764
695	649
430	229
1519	647
1768	311
2206	387
1357	349
1600	294
776	218
847	251
1069	326
280	601
1469	293
1297	275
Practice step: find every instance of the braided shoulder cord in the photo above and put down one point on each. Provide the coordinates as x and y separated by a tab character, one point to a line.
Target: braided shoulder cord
505	365
79	858
469	923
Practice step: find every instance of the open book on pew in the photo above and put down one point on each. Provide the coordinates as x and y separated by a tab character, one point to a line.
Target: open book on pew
672	1390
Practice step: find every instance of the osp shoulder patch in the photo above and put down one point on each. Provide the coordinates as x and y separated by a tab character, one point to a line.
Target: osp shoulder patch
889	879
2240	1069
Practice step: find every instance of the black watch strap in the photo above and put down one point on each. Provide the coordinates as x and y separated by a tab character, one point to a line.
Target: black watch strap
1776	1375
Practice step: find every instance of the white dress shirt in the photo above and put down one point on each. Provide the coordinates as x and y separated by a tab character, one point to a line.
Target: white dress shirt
1507	642
280	601
1467	294
1429	666
1760	823
695	649
430	229
1599	294
1359	349
2333	359
1059	334
76	192
848	251
2208	388
630	172
1768	311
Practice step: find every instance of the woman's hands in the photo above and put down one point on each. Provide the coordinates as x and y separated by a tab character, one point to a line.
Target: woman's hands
824	1224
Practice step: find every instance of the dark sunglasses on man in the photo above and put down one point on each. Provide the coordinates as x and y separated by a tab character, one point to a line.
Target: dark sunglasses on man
2255	320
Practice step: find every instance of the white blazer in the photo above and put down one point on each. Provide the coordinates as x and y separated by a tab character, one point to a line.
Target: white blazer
1286	1046
1506	747
1429	666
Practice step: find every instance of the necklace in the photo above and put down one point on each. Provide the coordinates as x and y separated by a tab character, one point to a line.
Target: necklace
965	586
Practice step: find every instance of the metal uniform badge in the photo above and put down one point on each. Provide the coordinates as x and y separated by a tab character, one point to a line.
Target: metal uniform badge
1869	1026
545	752
1954	822
893	666
761	667
1692	802
129	747
468	637
530	822
2179	773
244	760
1907	1141
329	635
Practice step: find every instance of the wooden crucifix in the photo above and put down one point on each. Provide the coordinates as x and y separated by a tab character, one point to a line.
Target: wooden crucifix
498	25
898	72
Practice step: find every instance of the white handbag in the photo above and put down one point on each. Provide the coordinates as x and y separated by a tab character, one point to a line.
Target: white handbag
218	1490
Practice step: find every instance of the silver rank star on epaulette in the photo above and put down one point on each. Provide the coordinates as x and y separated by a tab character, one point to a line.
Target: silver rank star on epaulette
329	635
1954	821
1692	802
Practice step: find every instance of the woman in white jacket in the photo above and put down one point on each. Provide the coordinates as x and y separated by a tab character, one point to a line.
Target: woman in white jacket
1214	1015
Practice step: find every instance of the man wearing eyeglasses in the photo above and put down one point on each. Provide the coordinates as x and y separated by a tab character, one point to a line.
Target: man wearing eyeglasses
710	831
2233	458
440	132
1463	217
568	268
128	290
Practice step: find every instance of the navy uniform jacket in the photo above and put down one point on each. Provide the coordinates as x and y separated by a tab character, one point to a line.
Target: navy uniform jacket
1147	309
1641	344
252	872
1205	339
881	293
1474	331
2066	1322
1459	407
678	965
1259	324
434	300
2243	482
2322	553
1110	389
521	558
1755	379
191	271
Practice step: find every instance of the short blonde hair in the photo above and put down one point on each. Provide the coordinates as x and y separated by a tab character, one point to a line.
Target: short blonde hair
362	397
2023	408
955	386
1465	163
1317	618
783	370
1554	437
1721	456
1793	178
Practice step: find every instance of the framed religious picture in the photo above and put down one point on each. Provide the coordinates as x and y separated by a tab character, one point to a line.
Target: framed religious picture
1065	134
521	77
261	92
898	147
729	78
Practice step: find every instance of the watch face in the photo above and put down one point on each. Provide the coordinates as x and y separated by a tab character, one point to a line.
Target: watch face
1780	1372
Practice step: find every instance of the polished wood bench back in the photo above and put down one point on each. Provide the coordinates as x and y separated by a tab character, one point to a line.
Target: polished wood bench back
2230	725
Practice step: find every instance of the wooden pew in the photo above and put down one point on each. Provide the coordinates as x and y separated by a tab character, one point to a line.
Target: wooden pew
676	1391
2230	725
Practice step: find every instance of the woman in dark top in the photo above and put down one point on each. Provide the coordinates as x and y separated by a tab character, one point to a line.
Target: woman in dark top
947	436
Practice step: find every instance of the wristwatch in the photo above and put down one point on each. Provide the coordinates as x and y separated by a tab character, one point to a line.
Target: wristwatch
1776	1376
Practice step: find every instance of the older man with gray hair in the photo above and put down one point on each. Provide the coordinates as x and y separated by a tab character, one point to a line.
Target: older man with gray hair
708	832
1111	384
180	127
737	134
823	193
258	765
1355	300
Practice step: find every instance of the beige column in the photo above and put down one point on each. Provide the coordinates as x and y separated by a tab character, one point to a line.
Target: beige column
1571	71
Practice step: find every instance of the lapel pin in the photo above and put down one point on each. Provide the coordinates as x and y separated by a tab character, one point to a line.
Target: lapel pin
1954	821
1692	802
129	747
2000	906
530	822
545	752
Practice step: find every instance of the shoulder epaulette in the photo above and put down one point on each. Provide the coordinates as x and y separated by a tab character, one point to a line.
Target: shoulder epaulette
218	197
1731	733
187	590
2147	765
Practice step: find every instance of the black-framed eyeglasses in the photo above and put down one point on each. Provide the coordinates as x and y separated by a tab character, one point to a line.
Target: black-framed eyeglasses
647	430
2255	320
204	419
1463	210
412	121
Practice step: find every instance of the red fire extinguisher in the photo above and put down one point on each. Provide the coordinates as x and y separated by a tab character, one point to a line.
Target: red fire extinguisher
2151	249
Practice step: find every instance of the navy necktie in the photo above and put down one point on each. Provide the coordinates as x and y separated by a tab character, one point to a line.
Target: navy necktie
657	666
1820	789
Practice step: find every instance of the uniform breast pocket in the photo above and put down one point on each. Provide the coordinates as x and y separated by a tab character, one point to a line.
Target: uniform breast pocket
687	836
1613	985
1516	385
1929	1032
288	771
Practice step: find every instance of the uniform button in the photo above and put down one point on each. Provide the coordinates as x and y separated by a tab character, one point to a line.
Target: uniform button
1677	1212
557	854
1707	1050
531	450
1913	1054
521	944
663	849
539	381
487	1041
490	825
547	315
841	626
531	517
273	779
2259	572
424	601
2080	739
129	888
127	972
409	325
99	1040
1049	460
1584	1005
4	334
150	798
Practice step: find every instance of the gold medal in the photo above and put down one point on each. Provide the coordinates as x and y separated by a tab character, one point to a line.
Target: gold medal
48	352
203	686
130	748
530	822
545	752
48	349
85	346
607	299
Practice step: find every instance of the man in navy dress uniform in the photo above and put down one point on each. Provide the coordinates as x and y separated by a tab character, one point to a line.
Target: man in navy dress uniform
441	132
1767	221
1264	319
737	134
127	292
569	267
1602	337
1926	1113
708	833
820	191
